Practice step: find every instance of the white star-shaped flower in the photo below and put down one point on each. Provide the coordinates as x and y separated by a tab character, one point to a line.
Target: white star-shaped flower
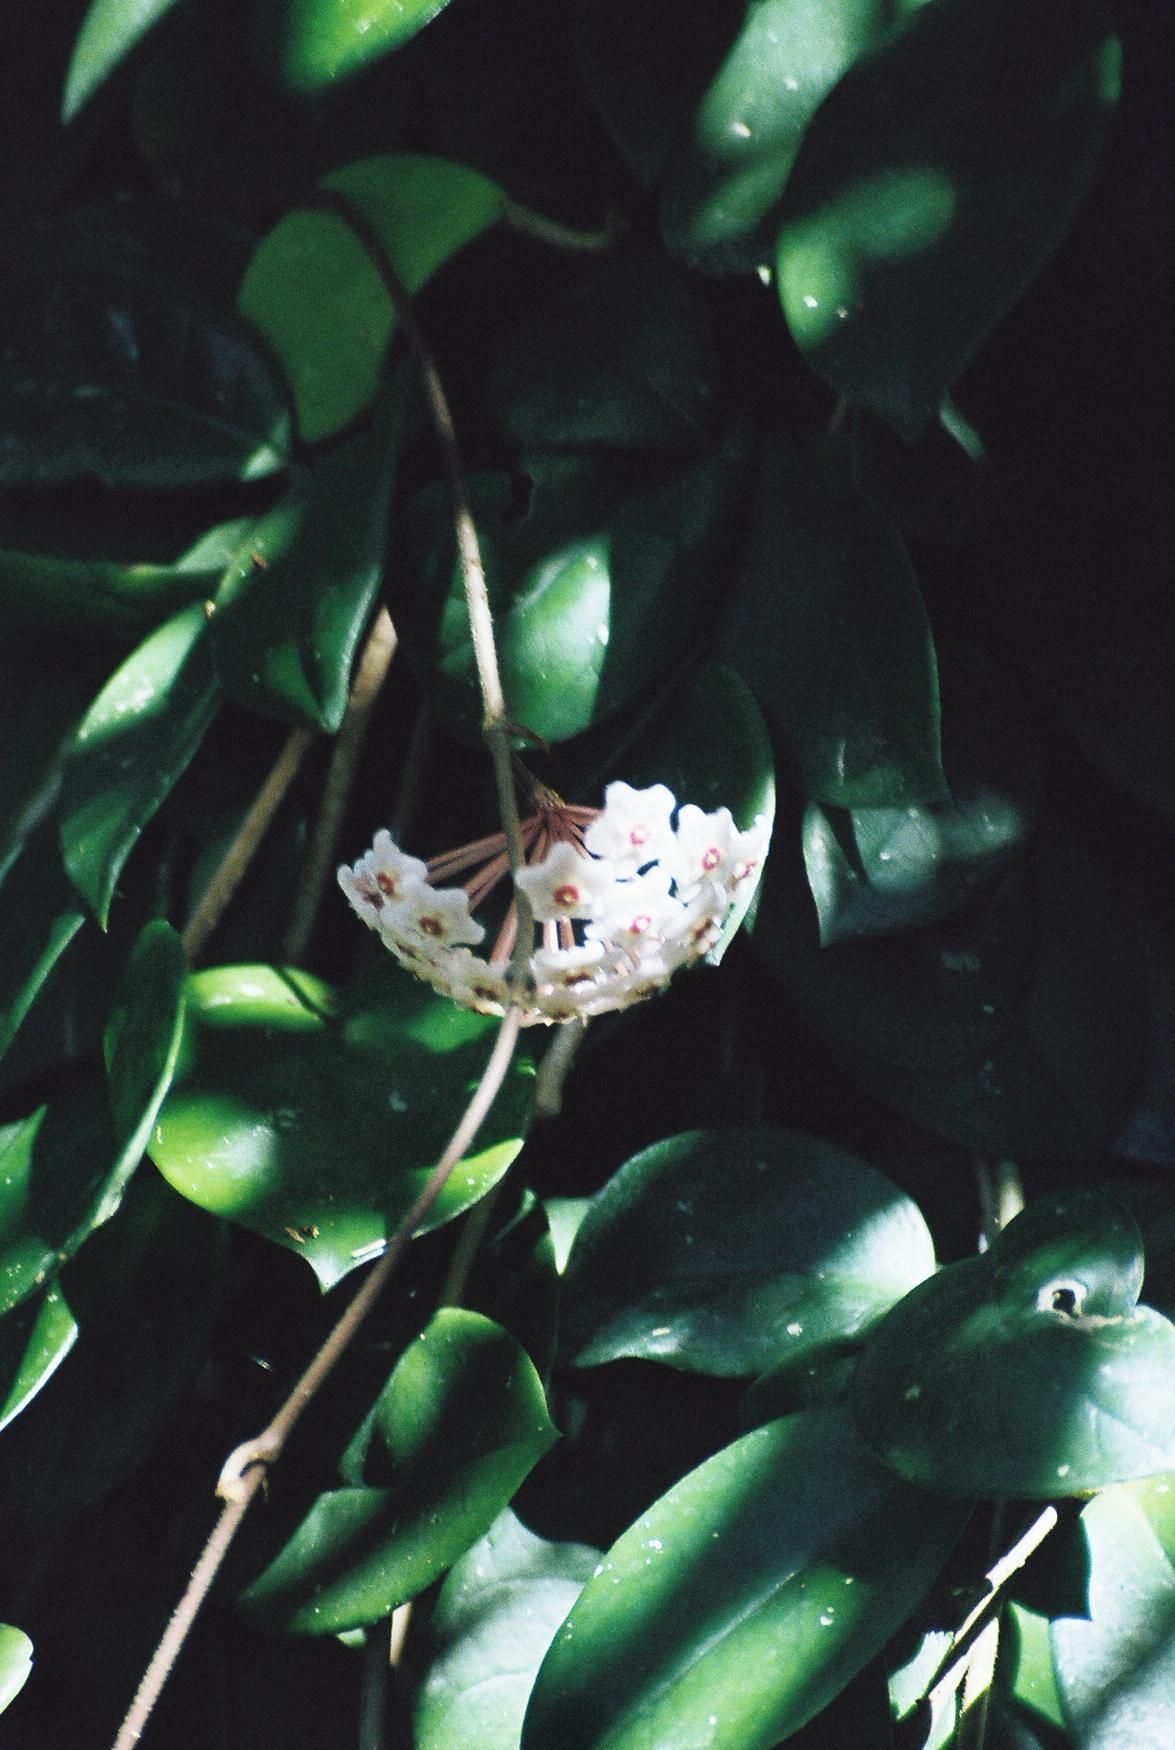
634	827
566	884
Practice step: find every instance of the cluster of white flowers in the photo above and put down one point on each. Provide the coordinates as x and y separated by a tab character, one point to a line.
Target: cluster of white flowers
621	899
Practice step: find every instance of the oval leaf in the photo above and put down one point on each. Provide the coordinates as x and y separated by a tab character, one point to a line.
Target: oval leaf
34	1341
134	381
874	870
316	294
314	1119
915	216
463	1419
312	44
110	30
16	1662
726	1251
1116	1671
136	740
744	1599
295	599
596	592
494	1620
1030	1370
723	186
830	632
143	1033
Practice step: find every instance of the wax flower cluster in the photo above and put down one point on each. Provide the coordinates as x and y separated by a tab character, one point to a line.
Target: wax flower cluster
620	898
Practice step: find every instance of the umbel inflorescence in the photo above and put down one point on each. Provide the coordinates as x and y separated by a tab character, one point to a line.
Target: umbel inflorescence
621	897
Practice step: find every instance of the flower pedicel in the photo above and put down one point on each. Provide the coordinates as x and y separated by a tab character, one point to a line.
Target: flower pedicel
620	896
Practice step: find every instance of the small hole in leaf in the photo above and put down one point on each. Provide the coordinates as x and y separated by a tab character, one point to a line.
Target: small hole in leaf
1062	1297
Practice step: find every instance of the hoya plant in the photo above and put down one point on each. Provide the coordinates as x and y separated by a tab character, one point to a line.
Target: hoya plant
585	805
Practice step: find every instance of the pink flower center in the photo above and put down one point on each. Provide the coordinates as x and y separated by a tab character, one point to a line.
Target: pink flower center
711	857
432	927
567	894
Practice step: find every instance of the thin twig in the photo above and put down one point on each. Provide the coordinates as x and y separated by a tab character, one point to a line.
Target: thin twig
235	863
565	237
370	674
246	1467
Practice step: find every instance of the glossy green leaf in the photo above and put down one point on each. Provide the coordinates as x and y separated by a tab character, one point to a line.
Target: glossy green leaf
315	291
296	597
743	1600
143	1033
63	1172
315	1118
34	1341
514	1282
135	377
1116	1671
16	1662
463	1419
725	1251
309	45
1029	1370
933	184
110	30
65	1168
145	1293
1032	1681
38	921
875	870
627	358
596	591
496	1615
136	740
40	589
724	184
830	631
1013	1026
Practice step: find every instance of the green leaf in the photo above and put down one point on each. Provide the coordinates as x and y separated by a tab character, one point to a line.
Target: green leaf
596	592
725	1251
144	1291
16	1662
1013	1026
315	291
136	740
309	45
723	186
315	1118
514	1282
143	1033
41	589
62	1173
920	207
1033	1681
830	632
132	374
876	870
38	921
34	1341
496	1615
1029	1370
65	1168
463	1419
744	1599
110	30
626	358
297	595
1116	1671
